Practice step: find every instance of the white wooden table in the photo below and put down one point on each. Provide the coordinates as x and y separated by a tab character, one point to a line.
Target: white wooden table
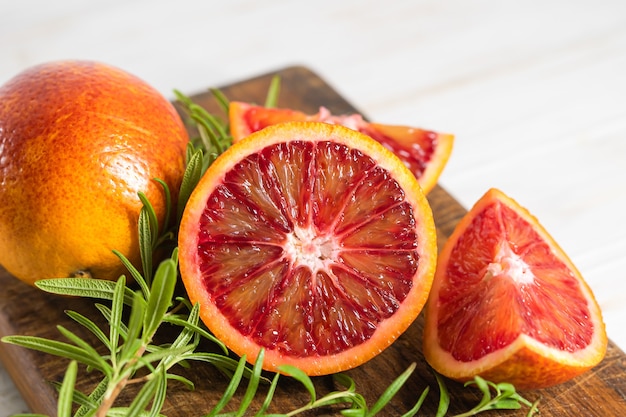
534	90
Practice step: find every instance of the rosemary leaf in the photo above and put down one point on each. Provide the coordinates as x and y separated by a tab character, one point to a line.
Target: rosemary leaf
168	203
224	363
159	395
135	325
78	397
272	92
159	354
134	272
253	385
181	379
345	381
89	325
391	391
484	388
124	412
145	244
64	406
444	397
353	412
53	347
207	135
87	348
174	256
185	337
191	149
152	217
269	396
91	403
505	397
106	313
505	404
231	388
534	409
117	308
196	329
413	411
184	99
83	287
221	99
145	395
301	377
161	294
212	128
192	175
188	333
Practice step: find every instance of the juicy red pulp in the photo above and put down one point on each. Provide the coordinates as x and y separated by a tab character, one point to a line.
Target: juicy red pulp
415	147
509	284
306	248
414	155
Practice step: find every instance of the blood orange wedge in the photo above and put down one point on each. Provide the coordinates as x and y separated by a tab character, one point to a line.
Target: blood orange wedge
311	241
508	304
424	152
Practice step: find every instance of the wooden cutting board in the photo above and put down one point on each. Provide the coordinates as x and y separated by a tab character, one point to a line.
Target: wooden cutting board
27	311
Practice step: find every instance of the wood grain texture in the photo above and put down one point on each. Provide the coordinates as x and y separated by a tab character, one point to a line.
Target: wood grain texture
27	311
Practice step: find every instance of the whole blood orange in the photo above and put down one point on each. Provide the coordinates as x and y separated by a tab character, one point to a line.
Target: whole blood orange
310	241
78	141
424	152
508	304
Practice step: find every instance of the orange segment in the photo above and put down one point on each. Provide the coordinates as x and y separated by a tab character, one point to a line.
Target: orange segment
508	304
424	152
246	118
311	241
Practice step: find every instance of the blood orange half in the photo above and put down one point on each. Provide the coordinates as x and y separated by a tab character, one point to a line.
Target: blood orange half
311	241
424	152
508	304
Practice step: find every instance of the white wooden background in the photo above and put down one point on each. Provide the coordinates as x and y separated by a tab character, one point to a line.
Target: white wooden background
534	90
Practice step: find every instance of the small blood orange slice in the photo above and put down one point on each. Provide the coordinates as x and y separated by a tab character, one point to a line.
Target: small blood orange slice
424	152
508	304
311	241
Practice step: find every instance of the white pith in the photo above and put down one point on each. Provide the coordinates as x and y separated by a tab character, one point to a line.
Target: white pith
510	264
306	248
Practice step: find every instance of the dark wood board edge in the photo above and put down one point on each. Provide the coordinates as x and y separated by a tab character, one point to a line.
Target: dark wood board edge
600	392
18	361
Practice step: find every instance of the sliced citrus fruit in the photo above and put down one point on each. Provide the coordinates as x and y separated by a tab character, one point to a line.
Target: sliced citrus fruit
508	304
424	152
310	241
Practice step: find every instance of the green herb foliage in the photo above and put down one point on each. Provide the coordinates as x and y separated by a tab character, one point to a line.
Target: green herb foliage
135	312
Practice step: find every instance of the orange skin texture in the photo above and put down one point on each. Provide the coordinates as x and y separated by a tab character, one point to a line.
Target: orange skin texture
532	370
78	141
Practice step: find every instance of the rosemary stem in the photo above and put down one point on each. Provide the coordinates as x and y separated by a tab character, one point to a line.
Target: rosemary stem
118	385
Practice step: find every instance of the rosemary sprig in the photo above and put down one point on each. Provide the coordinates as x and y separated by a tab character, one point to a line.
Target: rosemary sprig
130	347
134	358
501	396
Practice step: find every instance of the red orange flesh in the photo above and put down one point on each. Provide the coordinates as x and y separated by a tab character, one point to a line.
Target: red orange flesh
310	241
424	152
508	304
